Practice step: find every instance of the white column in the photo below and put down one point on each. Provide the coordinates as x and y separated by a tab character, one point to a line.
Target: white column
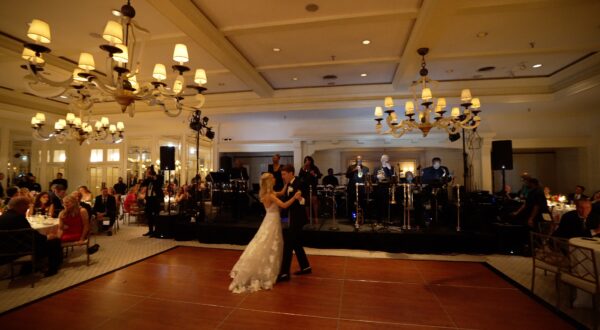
486	164
4	149
297	145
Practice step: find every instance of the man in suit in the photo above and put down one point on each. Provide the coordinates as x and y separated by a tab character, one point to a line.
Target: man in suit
58	193
578	194
105	209
154	198
579	223
45	246
356	173
59	180
292	240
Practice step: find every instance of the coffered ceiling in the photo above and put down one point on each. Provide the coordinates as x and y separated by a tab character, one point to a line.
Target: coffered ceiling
266	55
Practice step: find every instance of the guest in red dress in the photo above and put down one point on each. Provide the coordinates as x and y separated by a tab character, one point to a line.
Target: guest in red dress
73	221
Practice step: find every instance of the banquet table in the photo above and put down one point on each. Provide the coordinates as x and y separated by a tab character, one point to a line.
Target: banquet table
582	298
43	226
559	210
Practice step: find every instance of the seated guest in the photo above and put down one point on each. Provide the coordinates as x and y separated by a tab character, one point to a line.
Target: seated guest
330	179
86	206
595	199
58	193
131	198
73	224
182	198
10	193
41	204
45	246
506	192
105	208
86	195
579	223
578	194
547	193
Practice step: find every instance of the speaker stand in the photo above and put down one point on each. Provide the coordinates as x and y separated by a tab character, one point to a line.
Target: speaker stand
503	177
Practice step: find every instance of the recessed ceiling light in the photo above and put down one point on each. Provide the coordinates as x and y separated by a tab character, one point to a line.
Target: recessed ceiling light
363	74
482	34
366	42
537	65
221	84
63	96
116	12
276	49
295	78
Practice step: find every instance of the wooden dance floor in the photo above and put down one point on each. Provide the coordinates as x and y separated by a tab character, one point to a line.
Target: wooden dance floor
186	288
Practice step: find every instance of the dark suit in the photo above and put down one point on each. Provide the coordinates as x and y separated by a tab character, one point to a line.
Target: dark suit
11	220
292	236
109	208
154	199
573	198
571	225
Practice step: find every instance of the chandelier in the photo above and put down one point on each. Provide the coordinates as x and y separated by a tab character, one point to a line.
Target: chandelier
75	128
420	118
86	87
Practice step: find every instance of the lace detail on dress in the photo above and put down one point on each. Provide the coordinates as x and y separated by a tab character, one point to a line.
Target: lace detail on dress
259	264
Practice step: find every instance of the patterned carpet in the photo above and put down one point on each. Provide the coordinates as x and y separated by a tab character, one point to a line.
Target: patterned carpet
128	246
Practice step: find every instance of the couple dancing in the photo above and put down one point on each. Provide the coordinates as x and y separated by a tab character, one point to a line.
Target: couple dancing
268	257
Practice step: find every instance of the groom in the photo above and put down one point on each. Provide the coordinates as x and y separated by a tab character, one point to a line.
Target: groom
297	219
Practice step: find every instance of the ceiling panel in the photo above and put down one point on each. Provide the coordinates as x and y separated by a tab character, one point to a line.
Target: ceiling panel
505	66
318	44
242	12
346	75
514	28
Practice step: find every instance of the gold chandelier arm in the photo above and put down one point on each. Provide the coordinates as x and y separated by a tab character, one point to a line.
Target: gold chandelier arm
474	126
40	78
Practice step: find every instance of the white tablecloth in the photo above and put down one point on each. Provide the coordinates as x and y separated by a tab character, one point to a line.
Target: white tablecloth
559	211
43	226
582	298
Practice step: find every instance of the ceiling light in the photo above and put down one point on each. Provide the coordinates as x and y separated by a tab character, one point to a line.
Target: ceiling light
366	42
418	111
295	78
539	65
482	34
116	12
63	96
276	49
119	36
363	74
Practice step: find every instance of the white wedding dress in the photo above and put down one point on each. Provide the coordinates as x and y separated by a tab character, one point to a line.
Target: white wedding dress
259	265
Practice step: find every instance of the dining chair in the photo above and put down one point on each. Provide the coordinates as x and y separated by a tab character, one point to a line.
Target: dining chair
549	254
18	247
582	274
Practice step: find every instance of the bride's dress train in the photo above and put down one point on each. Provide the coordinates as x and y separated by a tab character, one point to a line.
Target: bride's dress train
259	264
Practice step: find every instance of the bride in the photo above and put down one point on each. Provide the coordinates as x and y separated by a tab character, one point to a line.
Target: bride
259	265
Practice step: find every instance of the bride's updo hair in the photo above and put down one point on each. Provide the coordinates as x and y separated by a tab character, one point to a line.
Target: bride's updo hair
266	185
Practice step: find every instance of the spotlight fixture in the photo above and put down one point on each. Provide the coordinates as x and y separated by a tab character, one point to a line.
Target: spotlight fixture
366	42
276	50
363	74
535	66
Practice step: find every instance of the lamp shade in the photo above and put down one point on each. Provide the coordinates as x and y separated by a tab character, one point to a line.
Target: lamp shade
86	61
120	126
40	117
465	95
441	104
180	54
39	31
388	102
123	56
77	122
70	117
455	112
134	83
113	32
29	55
378	112
475	104
200	77
160	72
104	121
178	84
409	108
426	94
112	128
394	117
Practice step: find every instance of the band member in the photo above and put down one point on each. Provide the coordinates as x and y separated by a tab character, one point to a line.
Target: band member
383	179
310	175
239	172
356	173
330	179
434	179
275	169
